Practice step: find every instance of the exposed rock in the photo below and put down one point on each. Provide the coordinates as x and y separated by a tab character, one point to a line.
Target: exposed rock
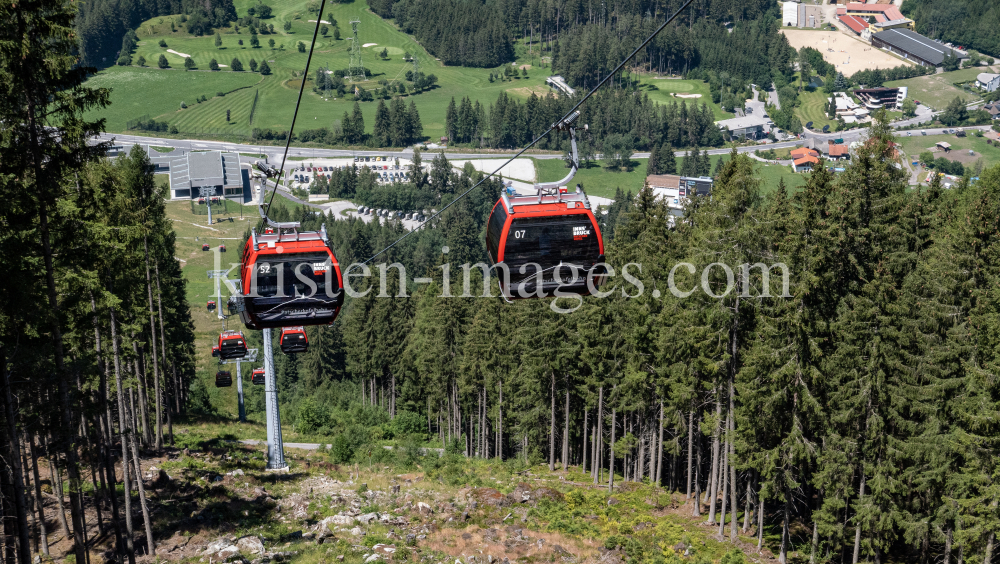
215	546
384	548
411	540
367	518
331	523
237	472
560	550
613	501
356	531
424	509
228	552
250	545
491	535
490	496
371	558
546	493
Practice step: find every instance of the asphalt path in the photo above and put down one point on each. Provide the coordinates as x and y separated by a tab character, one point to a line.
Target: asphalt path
274	153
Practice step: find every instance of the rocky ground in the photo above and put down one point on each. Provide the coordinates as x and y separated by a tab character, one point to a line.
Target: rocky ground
215	503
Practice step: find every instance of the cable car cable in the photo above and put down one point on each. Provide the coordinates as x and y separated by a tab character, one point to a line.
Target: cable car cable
539	138
291	130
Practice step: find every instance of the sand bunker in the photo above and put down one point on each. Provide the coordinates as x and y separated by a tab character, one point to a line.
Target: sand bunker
686	95
369	44
185	55
321	21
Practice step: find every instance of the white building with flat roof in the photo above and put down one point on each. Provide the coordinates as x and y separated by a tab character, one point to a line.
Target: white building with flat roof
217	170
988	81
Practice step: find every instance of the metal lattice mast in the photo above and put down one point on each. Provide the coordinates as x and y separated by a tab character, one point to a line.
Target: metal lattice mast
239	392
275	448
356	70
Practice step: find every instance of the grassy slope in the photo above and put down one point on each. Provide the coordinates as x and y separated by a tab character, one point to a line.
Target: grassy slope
937	90
600	181
277	95
660	90
813	109
917	144
141	91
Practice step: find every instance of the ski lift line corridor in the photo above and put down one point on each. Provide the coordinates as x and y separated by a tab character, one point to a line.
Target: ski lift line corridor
562	123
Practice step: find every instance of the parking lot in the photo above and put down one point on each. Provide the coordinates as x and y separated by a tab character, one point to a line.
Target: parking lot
388	170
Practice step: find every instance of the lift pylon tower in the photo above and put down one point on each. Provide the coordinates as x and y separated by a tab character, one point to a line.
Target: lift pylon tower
275	447
356	70
208	193
251	356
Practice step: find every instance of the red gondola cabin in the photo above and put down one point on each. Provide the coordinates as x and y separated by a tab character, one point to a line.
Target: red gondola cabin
257	377
294	340
210	305
205	247
222	248
232	345
215	350
223	379
554	238
288	278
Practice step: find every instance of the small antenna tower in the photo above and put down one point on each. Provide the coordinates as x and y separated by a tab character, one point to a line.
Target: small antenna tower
356	70
416	67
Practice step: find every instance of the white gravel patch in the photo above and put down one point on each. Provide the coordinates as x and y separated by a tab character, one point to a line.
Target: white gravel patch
519	169
321	21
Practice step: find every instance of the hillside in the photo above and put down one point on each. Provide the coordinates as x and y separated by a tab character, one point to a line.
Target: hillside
159	93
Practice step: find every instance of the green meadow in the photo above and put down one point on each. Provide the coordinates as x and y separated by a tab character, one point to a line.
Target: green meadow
137	92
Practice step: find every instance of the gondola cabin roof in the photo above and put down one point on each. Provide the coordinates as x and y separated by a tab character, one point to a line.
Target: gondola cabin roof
553	204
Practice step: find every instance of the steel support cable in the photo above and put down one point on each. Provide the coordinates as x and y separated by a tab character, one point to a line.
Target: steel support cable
295	114
543	134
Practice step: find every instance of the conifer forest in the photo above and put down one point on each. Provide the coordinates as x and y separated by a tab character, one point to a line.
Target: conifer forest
837	400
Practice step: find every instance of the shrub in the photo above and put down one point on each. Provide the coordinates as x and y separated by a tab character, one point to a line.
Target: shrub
188	63
141	61
163	43
301	47
163	63
213	65
183	105
407	423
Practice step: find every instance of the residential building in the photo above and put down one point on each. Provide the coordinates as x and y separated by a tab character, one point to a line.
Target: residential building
988	81
882	97
804	159
880	14
993	109
838	151
854	23
217	171
676	190
746	127
915	47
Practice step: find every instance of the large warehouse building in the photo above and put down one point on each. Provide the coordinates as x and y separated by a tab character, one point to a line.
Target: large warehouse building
915	47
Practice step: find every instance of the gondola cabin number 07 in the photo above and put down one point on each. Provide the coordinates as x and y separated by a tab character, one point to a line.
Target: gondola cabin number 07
546	243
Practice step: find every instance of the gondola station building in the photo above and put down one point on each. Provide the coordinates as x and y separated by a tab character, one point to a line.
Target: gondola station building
218	171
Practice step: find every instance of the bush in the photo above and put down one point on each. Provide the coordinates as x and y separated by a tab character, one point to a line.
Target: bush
183	105
340	450
163	63
188	63
213	65
163	43
301	47
407	423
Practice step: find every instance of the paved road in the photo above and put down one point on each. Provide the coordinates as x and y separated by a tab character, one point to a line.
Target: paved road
274	153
